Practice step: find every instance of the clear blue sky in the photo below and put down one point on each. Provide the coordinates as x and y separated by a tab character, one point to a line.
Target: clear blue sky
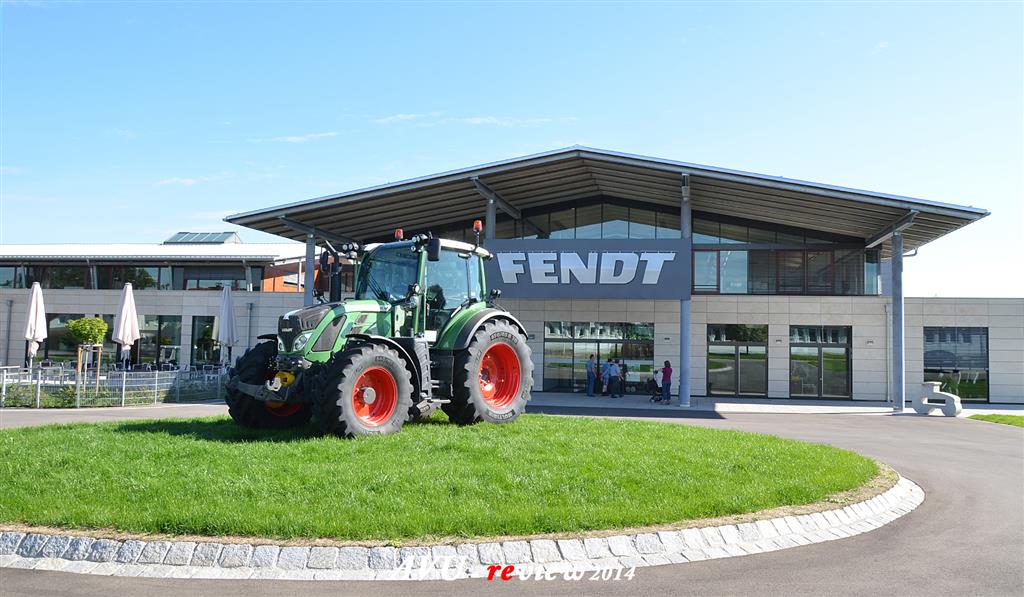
130	121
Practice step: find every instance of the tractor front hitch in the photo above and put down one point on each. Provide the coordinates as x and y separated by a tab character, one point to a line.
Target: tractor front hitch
266	392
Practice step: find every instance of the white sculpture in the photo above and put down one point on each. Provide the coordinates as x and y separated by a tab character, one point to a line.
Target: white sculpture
931	397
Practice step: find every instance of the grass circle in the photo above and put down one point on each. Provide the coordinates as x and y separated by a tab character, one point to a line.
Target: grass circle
543	474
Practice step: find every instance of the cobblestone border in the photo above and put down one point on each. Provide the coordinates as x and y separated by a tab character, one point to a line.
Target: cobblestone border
190	559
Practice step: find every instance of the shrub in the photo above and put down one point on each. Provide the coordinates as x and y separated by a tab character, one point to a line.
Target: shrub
88	330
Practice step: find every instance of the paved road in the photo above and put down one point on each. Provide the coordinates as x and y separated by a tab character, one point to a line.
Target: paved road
967	537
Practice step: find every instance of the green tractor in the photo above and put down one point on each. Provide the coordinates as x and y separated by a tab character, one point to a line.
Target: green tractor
422	332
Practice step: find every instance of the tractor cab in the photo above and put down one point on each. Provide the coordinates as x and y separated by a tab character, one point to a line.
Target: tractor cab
428	288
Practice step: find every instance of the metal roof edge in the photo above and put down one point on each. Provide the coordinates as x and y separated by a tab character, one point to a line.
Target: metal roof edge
581	151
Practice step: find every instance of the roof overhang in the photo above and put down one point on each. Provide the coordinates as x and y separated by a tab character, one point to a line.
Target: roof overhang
433	201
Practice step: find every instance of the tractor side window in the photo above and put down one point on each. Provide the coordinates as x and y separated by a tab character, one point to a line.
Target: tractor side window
474	277
447	283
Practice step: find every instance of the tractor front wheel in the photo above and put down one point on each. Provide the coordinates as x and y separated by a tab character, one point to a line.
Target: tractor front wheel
254	368
365	390
493	376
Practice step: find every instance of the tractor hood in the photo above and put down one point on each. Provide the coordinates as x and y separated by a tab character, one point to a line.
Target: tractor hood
316	329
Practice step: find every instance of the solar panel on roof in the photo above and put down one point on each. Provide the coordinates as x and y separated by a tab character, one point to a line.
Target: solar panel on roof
204	238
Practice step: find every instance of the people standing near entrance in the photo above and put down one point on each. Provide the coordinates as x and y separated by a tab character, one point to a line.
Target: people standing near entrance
591	375
654	386
614	378
605	371
666	383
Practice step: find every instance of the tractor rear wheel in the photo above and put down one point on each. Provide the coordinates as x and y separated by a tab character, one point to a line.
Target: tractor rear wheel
254	368
366	390
493	376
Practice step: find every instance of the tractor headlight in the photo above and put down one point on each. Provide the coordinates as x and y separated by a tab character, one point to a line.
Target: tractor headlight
301	341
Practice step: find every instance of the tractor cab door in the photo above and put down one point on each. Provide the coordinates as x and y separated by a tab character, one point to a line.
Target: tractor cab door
449	283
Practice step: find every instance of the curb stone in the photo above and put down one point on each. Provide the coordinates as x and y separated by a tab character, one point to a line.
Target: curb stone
189	559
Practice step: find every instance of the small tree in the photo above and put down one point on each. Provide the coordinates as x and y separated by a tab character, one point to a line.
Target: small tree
88	330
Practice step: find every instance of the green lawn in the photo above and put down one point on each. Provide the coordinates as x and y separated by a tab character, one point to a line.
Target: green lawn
1015	420
541	474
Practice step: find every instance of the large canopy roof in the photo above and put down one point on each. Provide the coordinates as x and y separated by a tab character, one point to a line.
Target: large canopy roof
580	172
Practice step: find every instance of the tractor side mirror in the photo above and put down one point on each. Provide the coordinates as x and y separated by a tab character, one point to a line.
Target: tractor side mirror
325	261
414	290
434	249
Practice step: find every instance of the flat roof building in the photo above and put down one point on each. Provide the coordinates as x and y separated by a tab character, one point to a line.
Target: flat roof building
761	286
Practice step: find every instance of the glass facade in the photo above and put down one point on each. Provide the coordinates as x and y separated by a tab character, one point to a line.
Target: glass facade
819	362
568	346
737	360
958	358
785	271
582	220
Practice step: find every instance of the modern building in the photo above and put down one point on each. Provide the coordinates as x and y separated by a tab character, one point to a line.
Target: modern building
760	286
175	283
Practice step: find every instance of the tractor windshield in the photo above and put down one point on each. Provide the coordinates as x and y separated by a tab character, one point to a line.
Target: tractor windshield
386	273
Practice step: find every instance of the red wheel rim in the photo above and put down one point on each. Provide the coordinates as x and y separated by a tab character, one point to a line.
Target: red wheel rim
282	409
374	396
499	375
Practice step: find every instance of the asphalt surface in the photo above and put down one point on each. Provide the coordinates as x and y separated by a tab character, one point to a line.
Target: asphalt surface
967	538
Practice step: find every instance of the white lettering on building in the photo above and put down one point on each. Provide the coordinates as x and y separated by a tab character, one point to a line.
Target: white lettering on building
562	268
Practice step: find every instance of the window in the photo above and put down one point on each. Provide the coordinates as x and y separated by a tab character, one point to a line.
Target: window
733	266
819	272
568	346
615	223
256	278
9	277
760	272
209	277
386	273
819	362
849	270
205	348
668	225
141	278
791	272
56	276
642	223
449	285
958	358
737	360
161	339
705	271
60	345
563	224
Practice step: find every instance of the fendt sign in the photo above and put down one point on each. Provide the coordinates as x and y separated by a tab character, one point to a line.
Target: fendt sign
588	269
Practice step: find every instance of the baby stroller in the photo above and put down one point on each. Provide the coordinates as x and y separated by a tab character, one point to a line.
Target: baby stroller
653	388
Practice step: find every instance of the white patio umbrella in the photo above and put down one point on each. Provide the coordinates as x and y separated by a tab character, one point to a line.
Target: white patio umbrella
126	323
35	325
227	329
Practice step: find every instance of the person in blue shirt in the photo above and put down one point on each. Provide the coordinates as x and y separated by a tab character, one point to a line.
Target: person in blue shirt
614	379
605	369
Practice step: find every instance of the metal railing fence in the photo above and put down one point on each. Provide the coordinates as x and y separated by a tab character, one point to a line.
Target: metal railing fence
56	387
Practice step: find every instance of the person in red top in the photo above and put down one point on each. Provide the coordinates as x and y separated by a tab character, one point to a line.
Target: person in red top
666	382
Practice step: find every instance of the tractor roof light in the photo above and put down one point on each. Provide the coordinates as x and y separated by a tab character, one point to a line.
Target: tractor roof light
399	234
477	226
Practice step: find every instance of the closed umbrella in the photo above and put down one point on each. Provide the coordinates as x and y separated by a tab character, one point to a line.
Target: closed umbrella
126	323
227	331
35	326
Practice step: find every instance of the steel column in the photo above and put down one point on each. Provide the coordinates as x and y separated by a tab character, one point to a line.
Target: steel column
307	291
686	249
492	219
899	389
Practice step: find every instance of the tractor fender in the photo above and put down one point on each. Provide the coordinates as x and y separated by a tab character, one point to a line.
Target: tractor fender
414	364
478	320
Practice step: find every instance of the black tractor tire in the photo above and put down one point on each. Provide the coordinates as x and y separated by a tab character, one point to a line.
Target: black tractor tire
492	377
254	368
341	400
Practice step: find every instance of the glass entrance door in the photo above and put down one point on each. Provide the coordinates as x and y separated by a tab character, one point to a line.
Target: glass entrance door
737	360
